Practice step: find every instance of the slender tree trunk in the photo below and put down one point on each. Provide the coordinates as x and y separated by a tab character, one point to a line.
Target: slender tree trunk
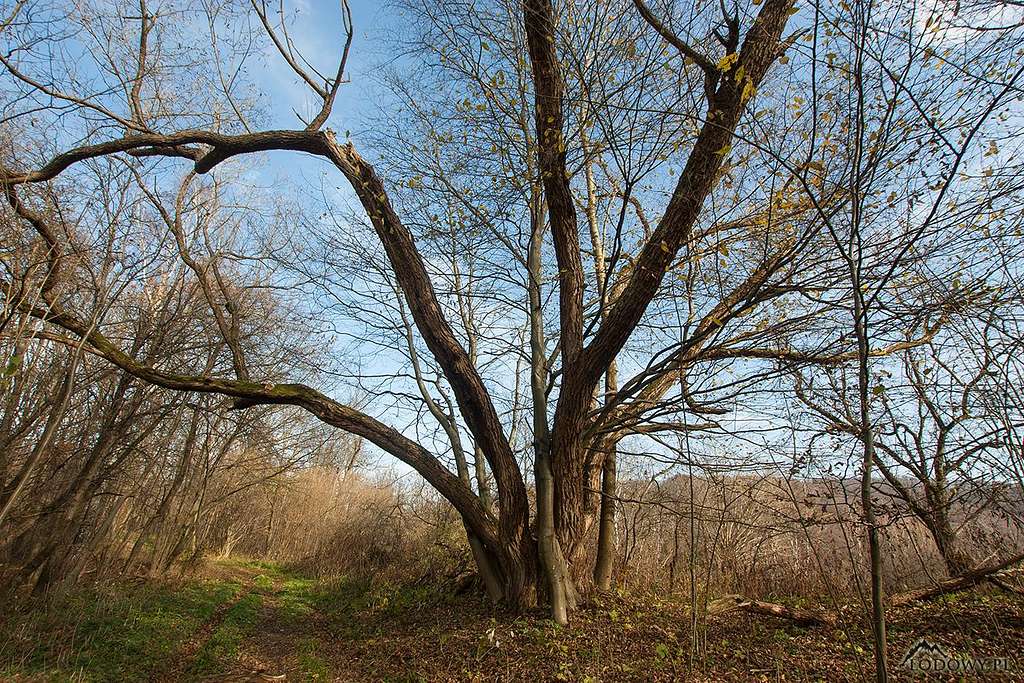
878	629
855	262
165	503
13	403
606	531
606	541
560	593
9	495
559	584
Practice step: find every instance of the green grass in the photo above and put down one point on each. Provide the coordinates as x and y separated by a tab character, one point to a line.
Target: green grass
119	633
217	653
131	632
297	599
263	582
314	667
262	566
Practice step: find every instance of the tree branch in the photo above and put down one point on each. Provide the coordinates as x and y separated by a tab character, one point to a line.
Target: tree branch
711	72
249	394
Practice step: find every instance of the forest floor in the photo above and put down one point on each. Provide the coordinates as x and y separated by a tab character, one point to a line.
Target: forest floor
251	621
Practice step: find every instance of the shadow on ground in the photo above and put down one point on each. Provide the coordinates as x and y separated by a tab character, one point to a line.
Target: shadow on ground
252	621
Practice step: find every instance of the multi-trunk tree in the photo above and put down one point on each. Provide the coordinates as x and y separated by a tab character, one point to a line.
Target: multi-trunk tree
660	199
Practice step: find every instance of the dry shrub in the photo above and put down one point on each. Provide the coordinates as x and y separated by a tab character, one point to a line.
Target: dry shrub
759	536
329	522
772	538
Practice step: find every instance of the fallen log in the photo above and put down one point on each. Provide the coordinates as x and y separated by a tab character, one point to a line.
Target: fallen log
956	584
799	615
999	580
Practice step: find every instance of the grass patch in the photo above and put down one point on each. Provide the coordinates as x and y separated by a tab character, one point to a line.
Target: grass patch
314	667
121	632
263	582
249	565
217	653
297	598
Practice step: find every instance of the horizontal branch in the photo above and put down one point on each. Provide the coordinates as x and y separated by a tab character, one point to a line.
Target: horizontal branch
222	147
799	615
326	409
957	583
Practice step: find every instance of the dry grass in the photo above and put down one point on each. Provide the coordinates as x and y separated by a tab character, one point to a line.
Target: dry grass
276	622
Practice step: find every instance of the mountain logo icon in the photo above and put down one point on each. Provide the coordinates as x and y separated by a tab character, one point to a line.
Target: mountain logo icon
924	649
926	656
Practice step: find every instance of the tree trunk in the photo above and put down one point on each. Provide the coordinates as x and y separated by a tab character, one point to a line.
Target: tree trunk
165	503
966	580
956	560
606	542
799	615
486	568
561	591
9	494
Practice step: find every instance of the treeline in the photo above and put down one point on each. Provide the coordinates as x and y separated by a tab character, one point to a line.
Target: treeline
103	475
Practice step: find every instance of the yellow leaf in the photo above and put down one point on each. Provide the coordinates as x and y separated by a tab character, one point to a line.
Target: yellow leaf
727	62
748	91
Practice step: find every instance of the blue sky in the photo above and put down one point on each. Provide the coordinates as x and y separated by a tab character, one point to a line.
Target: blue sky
316	28
317	32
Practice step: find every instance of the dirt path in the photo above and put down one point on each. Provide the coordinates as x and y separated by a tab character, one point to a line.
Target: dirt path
280	625
186	656
256	621
290	639
278	635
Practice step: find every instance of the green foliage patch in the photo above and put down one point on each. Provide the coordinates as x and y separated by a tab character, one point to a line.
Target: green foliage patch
119	632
